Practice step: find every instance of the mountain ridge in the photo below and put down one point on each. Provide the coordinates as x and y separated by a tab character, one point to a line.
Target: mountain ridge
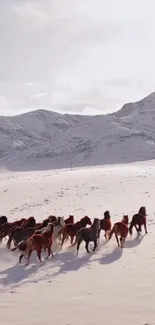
44	139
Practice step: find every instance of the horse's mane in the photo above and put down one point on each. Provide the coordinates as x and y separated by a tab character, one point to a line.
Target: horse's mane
83	218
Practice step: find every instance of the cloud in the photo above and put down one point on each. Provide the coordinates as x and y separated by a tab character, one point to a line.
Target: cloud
69	54
39	95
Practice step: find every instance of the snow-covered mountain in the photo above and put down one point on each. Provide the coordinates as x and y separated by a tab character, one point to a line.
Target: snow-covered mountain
45	140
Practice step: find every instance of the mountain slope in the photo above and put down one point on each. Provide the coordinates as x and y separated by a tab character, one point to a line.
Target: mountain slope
45	140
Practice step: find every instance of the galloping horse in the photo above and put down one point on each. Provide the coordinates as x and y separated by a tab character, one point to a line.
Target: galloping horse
88	235
72	229
139	219
105	224
6	227
18	234
120	229
38	242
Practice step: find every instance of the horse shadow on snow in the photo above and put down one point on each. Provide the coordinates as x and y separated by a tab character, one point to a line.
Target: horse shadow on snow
66	261
134	242
17	274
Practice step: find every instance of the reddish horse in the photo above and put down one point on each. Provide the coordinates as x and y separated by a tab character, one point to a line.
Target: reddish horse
105	224
71	229
5	228
38	242
139	219
70	219
120	229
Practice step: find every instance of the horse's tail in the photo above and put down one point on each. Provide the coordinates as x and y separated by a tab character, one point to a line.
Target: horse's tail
9	240
61	231
14	249
17	246
76	240
130	228
112	231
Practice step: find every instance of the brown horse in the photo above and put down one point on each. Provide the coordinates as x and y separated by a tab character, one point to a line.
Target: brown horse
105	224
38	242
29	222
70	219
139	219
5	228
120	229
71	229
17	234
52	218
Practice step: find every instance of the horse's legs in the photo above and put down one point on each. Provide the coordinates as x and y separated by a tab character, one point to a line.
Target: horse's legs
137	229
145	227
122	240
78	244
99	233
28	257
63	239
86	246
49	251
21	257
106	235
39	254
72	238
95	245
117	239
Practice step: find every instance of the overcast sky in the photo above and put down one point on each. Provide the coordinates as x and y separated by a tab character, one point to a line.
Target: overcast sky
86	56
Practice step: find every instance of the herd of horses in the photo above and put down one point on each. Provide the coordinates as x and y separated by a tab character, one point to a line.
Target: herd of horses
27	235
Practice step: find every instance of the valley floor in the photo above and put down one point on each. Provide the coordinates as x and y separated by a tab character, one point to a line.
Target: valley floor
111	286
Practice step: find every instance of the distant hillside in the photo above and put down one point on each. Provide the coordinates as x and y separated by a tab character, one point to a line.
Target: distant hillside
45	140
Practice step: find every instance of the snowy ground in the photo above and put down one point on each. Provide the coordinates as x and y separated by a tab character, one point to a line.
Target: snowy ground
112	286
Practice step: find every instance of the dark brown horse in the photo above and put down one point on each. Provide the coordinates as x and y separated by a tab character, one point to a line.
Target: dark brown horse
52	218
138	219
3	219
29	222
71	229
88	235
17	234
5	228
120	229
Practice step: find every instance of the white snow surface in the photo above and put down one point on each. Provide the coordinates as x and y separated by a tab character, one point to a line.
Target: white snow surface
42	139
112	286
